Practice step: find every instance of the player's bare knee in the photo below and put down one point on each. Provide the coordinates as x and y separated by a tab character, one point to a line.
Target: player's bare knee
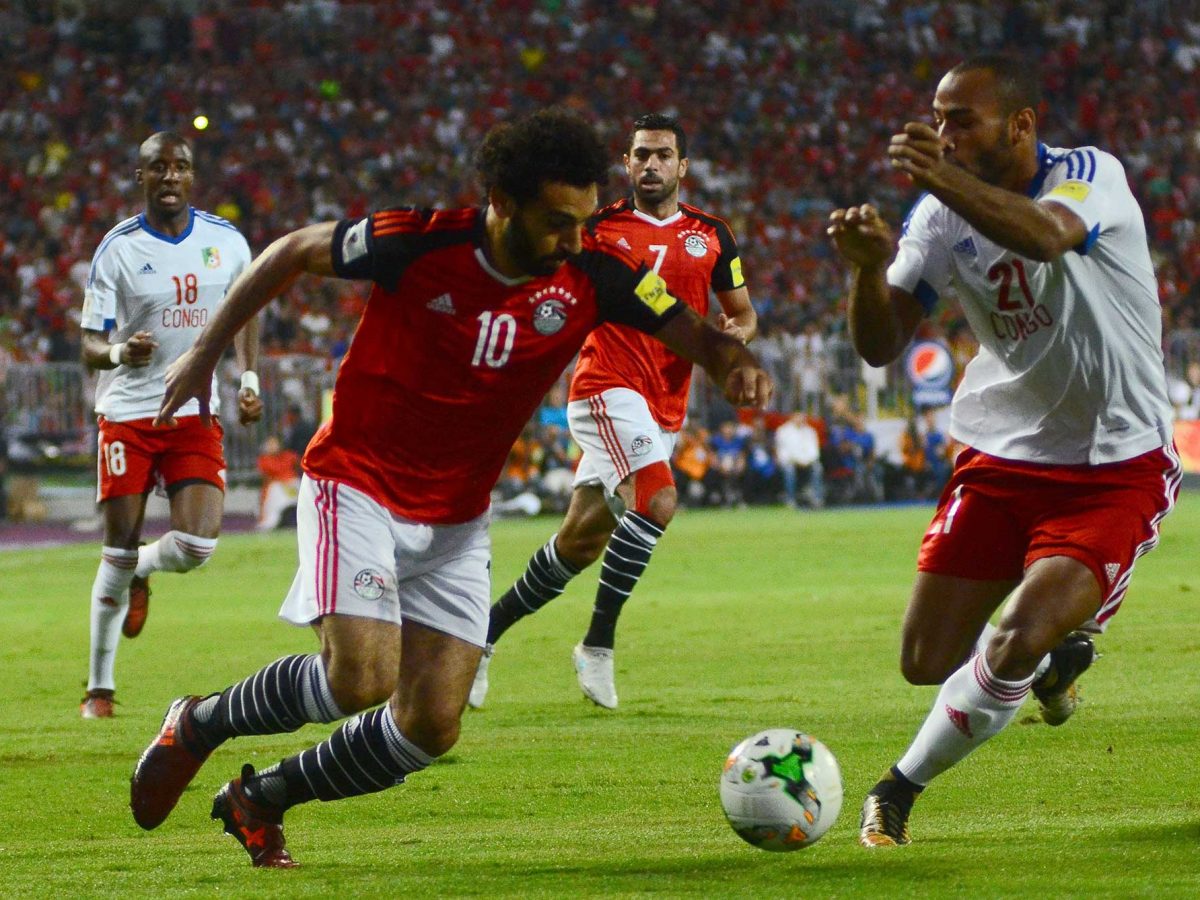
1014	652
433	727
579	548
358	684
662	506
923	663
654	493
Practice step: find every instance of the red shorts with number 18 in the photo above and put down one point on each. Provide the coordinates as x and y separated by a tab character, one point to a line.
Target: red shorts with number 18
997	517
135	456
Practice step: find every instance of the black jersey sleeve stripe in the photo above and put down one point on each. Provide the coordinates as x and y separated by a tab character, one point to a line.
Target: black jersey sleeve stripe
380	247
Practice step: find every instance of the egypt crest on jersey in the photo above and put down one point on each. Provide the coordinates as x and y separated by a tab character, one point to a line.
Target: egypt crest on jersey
695	254
452	357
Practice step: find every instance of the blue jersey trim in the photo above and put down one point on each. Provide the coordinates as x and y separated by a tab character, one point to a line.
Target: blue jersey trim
216	220
166	237
132	226
1088	242
925	295
912	212
1046	162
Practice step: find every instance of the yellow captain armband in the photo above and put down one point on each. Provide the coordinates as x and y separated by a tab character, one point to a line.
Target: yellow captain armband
652	291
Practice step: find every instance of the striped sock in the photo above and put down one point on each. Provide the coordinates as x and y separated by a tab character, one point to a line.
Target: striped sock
545	578
367	754
288	693
628	553
972	706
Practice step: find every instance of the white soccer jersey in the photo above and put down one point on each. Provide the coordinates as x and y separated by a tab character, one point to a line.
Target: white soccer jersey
141	280
1070	364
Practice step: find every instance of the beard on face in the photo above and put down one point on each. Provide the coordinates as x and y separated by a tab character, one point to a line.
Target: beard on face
520	247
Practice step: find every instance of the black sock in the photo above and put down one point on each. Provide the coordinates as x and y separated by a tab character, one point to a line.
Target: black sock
545	577
367	754
895	788
625	560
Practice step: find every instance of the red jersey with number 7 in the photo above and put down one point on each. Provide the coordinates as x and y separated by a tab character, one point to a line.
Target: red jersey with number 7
696	254
451	358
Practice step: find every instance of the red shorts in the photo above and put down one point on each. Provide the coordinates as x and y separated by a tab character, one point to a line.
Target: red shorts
135	456
997	517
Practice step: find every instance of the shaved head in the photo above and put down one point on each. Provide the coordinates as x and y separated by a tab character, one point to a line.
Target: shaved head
154	145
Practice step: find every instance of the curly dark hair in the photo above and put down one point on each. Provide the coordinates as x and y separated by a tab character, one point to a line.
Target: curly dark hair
551	145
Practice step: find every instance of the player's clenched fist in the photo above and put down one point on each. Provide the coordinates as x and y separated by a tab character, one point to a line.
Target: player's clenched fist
749	386
861	235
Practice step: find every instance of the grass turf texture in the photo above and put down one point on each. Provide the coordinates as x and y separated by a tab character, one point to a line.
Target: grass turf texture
745	620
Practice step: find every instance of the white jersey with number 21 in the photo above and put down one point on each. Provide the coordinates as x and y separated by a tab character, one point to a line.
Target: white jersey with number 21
1070	365
141	280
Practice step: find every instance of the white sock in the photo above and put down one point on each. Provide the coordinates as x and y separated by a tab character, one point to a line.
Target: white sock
110	601
986	635
175	551
972	706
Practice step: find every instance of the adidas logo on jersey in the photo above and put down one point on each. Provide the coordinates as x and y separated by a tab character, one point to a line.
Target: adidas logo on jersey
624	243
442	304
147	269
967	246
1112	570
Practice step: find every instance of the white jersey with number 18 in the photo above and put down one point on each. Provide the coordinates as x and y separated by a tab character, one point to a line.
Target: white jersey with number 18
1070	364
141	280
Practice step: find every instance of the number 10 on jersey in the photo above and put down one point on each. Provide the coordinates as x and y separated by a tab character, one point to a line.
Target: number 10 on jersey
495	342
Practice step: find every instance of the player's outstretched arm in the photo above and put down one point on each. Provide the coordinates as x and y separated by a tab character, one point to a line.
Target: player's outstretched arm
724	357
306	250
882	318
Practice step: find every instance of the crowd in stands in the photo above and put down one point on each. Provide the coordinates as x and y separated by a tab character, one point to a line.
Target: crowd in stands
802	460
321	109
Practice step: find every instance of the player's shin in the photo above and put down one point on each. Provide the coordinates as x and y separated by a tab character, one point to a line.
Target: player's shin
546	576
279	698
972	706
628	554
175	551
367	754
108	606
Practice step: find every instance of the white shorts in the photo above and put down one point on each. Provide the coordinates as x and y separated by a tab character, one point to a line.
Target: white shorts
618	436
359	559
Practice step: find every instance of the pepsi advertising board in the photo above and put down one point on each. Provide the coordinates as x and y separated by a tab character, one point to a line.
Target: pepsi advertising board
930	370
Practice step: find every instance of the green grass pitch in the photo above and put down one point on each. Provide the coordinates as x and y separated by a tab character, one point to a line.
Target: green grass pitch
746	620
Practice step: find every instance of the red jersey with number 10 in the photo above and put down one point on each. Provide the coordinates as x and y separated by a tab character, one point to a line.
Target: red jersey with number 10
695	253
451	358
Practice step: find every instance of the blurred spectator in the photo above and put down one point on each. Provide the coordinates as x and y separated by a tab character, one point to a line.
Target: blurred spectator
762	481
1185	392
279	467
694	475
798	452
729	451
938	460
296	430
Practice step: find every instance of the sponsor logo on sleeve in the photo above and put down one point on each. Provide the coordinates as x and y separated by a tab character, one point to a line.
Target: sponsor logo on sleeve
1072	190
354	242
652	291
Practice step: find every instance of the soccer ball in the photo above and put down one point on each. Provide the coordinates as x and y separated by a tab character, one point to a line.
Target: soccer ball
781	789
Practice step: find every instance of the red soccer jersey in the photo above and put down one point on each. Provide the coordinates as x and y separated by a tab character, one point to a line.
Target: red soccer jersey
693	252
451	358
